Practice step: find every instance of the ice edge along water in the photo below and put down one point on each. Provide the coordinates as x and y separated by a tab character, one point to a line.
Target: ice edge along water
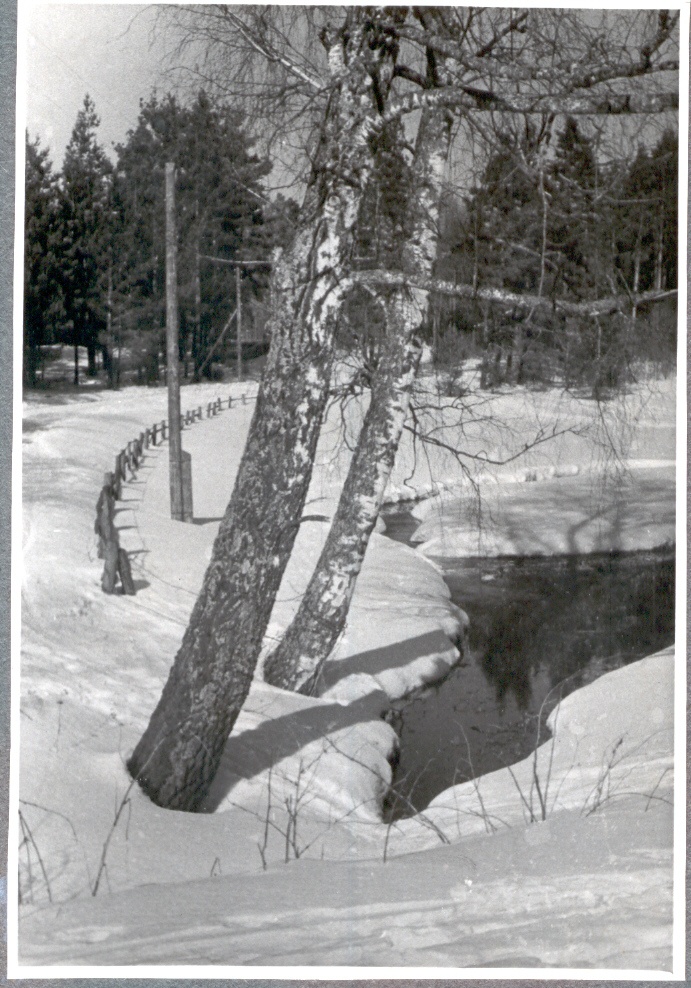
81	714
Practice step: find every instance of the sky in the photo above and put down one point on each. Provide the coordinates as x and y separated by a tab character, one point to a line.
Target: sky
117	53
106	50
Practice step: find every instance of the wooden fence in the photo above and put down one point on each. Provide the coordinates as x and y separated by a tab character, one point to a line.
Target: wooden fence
127	463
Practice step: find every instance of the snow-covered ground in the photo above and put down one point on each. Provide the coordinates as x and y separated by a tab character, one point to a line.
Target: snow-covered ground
291	865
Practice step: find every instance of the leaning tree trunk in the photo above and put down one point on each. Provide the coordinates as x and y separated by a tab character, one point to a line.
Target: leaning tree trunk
178	755
321	617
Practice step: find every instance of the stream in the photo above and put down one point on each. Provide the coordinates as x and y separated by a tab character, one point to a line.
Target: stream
540	628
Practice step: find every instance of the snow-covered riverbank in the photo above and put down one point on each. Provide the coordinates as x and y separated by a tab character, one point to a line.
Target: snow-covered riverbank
92	670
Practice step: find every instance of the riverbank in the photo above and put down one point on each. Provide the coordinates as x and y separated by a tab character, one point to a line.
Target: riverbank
92	670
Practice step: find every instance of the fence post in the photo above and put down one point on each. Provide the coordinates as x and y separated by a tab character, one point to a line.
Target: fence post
117	479
114	557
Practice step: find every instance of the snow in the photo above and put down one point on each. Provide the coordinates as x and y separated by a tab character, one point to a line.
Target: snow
469	884
577	514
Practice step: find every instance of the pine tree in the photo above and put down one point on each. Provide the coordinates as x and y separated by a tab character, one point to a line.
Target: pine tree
647	218
575	218
506	248
219	202
645	232
41	275
84	217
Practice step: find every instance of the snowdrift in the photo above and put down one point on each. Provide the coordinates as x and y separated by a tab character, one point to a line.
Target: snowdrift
293	816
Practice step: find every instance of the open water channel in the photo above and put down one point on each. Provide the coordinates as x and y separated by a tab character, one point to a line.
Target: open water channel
540	627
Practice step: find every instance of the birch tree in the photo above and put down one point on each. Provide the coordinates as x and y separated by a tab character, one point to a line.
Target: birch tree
322	613
321	616
179	752
472	61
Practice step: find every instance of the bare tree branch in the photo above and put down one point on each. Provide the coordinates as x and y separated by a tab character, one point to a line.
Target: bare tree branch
500	296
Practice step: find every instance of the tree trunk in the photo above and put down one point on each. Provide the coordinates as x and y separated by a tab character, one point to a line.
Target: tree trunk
107	364
199	344
177	757
320	619
516	354
91	358
297	661
436	319
637	268
31	361
107	347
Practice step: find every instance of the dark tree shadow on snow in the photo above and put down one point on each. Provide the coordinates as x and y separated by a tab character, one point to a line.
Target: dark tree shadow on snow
250	753
393	656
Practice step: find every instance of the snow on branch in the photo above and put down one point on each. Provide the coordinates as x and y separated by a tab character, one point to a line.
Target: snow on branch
472	99
500	296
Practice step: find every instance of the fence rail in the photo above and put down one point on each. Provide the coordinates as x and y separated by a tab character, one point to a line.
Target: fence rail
128	461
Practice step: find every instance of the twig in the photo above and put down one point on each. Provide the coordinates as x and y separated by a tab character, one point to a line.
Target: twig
29	839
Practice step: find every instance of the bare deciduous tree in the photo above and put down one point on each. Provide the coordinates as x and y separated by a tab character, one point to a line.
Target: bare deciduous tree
383	64
320	619
178	754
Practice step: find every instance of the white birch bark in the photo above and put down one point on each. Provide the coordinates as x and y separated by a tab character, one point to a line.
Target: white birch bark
178	754
297	661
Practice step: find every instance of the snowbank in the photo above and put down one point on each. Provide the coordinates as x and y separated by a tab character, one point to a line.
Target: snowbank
587	888
302	778
93	666
561	515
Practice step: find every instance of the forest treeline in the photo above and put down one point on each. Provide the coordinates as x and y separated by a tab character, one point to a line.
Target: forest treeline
548	220
544	218
95	239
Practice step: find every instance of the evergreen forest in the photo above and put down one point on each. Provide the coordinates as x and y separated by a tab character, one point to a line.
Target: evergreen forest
545	216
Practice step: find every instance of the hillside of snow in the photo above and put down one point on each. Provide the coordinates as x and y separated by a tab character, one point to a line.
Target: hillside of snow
292	864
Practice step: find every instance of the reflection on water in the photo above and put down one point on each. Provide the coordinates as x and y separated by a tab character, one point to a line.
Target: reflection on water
539	629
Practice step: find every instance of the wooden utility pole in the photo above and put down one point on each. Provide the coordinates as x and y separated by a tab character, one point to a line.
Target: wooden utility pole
180	468
238	310
109	322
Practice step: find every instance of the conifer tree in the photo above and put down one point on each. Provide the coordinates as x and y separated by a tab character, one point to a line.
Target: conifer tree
84	216
219	202
41	275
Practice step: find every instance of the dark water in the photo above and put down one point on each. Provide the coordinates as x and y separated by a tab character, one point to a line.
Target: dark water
540	627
